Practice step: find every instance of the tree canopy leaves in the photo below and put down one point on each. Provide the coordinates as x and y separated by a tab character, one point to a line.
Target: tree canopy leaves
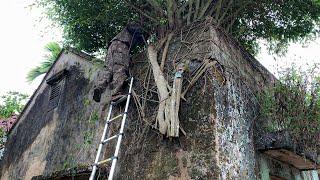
90	25
12	103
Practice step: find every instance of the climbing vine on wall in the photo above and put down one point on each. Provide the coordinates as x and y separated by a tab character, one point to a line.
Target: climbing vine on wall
293	104
87	120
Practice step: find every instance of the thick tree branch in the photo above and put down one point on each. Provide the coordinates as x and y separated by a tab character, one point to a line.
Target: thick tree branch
225	12
204	9
195	15
162	89
165	51
170	13
218	7
155	5
142	12
190	3
212	9
177	16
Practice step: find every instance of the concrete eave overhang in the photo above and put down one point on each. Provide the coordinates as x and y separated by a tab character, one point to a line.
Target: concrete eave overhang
282	146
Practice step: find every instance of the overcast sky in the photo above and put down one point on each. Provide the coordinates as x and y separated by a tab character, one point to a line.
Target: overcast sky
23	37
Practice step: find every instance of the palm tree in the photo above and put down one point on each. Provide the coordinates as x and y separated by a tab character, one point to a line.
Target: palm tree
53	50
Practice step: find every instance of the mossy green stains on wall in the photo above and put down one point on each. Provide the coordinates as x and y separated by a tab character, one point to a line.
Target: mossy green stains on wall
46	141
164	164
235	114
23	140
76	136
217	118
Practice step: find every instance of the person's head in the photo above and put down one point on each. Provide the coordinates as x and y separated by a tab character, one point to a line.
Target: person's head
136	30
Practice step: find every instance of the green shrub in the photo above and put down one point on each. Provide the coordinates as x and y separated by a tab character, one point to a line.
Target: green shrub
293	103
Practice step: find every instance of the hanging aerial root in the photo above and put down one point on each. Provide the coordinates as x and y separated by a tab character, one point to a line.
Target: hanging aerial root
198	73
165	50
167	116
161	84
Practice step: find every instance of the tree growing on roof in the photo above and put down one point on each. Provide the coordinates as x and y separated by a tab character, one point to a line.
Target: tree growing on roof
90	25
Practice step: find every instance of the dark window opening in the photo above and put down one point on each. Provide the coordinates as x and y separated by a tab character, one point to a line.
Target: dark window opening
56	82
55	95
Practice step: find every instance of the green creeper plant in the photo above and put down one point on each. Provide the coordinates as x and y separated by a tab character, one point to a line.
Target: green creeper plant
293	104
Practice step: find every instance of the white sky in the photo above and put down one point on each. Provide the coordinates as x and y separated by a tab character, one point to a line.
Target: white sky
23	38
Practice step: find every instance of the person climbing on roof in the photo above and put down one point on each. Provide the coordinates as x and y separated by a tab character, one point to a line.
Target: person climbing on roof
117	61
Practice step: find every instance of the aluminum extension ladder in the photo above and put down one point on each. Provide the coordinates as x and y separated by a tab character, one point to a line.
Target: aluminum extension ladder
104	140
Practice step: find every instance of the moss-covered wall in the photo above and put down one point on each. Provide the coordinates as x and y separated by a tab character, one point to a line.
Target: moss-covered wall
217	116
44	140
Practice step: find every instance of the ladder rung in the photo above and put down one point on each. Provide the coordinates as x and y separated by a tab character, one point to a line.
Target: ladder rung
110	138
107	160
119	100
114	159
116	117
104	161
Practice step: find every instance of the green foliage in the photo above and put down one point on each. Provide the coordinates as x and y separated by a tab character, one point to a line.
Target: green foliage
65	165
86	102
87	124
53	49
97	67
293	103
12	103
88	135
279	22
90	25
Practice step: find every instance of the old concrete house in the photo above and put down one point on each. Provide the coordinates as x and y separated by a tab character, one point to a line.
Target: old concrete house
57	134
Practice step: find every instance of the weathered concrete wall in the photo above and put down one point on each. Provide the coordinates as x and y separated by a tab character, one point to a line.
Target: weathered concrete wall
46	141
218	118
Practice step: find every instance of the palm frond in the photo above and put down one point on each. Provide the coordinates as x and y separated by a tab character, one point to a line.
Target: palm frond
52	47
34	73
53	50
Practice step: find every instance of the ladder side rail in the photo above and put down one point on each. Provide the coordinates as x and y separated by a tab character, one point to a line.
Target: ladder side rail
116	153
94	169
